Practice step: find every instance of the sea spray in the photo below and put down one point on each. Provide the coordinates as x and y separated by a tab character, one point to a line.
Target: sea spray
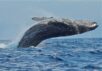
2	45
15	41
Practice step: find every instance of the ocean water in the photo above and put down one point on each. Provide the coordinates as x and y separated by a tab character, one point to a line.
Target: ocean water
80	54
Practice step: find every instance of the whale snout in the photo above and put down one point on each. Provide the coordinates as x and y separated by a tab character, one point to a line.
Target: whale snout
94	25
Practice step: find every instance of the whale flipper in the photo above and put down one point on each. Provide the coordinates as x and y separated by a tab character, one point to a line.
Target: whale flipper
54	28
40	18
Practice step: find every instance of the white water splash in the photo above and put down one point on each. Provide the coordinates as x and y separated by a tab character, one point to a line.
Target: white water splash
2	45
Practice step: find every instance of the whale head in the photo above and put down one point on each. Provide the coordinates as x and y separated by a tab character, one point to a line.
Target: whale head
67	27
84	26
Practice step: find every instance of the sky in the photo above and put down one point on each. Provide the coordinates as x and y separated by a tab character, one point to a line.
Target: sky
15	15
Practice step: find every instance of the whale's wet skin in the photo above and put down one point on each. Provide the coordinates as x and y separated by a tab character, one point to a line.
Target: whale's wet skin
56	55
51	27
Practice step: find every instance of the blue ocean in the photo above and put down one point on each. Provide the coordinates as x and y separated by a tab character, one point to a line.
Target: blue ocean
74	54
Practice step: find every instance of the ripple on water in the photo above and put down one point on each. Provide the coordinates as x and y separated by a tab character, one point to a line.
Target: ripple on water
55	55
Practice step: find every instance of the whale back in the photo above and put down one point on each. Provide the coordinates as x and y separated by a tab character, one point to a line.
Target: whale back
40	32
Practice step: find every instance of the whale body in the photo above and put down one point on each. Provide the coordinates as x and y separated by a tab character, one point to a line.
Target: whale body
52	27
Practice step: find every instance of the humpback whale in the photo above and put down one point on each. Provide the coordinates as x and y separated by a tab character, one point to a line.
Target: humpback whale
53	27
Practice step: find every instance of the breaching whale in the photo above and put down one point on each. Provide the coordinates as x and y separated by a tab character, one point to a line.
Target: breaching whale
54	27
